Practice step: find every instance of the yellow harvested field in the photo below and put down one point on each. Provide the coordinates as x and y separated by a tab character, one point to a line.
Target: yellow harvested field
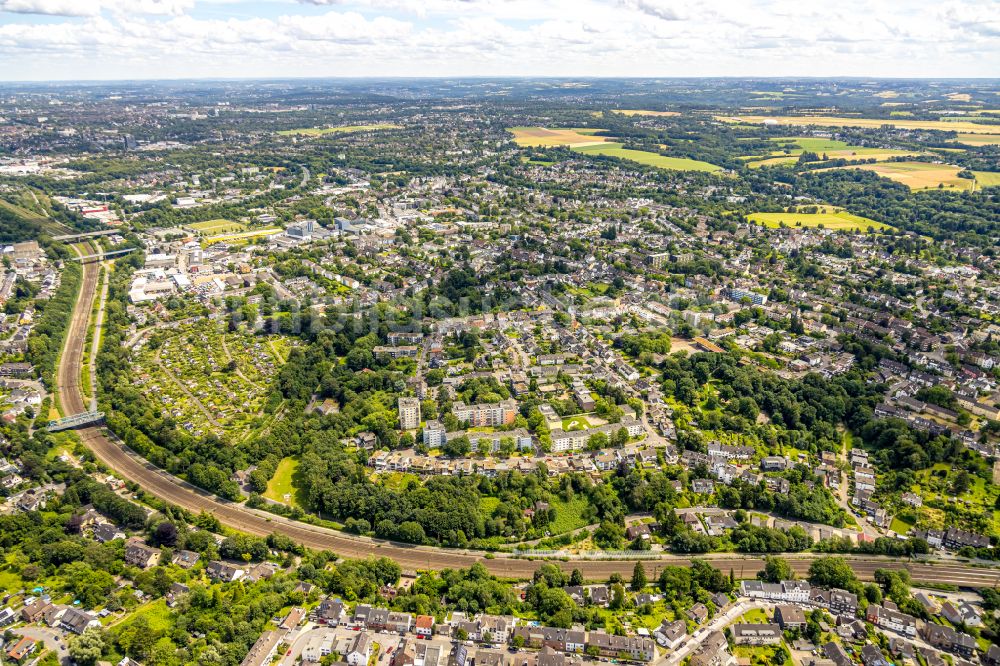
978	139
837	121
558	136
919	175
640	112
829	217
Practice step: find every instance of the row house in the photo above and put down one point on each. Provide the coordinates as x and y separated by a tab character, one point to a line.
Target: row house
892	620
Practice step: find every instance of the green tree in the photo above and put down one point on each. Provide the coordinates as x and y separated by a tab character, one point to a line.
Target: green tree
86	648
776	569
639	580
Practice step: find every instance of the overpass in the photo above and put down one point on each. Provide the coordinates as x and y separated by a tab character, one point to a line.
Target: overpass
86	234
75	421
100	256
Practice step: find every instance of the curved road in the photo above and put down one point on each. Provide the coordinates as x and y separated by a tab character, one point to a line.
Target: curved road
176	491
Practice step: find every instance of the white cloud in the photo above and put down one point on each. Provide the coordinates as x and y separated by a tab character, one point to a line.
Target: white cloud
95	7
174	38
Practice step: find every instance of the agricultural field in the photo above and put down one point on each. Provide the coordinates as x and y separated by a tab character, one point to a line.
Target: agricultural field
792	147
977	140
210	380
827	217
987	178
209	227
642	112
322	131
583	140
643	157
559	136
919	175
869	123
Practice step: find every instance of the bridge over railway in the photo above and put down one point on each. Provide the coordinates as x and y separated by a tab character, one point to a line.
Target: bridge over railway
100	256
75	421
86	234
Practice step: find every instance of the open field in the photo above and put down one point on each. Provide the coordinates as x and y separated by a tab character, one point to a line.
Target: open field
558	136
977	140
583	140
830	218
215	227
641	112
647	158
281	487
871	123
321	131
987	178
792	147
919	175
240	237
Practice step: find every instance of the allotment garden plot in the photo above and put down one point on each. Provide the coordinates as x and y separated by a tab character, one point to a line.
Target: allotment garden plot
211	380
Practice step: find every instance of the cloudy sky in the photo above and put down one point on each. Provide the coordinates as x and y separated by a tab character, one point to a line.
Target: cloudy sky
131	39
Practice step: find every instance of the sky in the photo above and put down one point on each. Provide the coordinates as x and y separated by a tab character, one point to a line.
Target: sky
168	39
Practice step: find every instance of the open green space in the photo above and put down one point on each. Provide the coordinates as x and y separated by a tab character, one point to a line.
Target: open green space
215	226
240	237
281	487
569	515
610	149
987	178
900	526
755	616
831	218
578	422
790	148
156	614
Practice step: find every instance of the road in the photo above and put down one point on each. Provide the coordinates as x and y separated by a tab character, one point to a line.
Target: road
718	623
132	467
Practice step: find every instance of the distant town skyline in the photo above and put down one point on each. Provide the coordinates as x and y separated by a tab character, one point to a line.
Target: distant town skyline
152	39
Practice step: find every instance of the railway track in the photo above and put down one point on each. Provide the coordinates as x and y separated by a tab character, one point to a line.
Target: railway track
171	489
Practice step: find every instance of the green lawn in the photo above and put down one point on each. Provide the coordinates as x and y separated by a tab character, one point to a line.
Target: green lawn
489	504
644	157
755	616
215	226
10	581
575	423
569	515
157	615
282	483
831	219
900	526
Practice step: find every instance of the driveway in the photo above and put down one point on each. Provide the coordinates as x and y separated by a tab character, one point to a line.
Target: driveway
54	639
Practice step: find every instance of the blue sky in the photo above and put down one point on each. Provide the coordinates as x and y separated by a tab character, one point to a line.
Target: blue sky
123	39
